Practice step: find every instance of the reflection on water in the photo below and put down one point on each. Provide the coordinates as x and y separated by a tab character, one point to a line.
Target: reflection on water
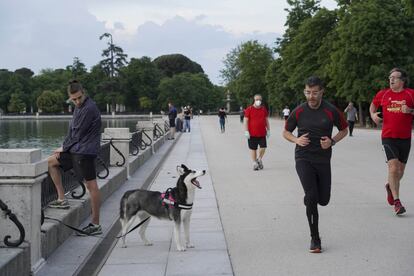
46	135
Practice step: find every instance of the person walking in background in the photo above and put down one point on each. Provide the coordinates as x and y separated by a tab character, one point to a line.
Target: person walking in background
222	119
351	116
397	103
315	120
172	115
79	151
187	118
241	112
286	112
257	128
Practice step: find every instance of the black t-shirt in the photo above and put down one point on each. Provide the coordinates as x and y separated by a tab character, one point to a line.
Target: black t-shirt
222	114
187	114
317	122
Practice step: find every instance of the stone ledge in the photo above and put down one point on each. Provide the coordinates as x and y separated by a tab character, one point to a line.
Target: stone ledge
15	261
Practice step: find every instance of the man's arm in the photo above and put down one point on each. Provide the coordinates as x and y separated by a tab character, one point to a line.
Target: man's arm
246	124
374	114
300	141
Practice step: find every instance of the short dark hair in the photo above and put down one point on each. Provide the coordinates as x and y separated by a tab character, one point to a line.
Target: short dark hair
74	86
315	81
404	75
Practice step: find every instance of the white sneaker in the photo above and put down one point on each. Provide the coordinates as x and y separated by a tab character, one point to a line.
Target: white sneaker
255	166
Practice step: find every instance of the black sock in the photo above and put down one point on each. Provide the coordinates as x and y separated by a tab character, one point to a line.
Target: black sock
313	219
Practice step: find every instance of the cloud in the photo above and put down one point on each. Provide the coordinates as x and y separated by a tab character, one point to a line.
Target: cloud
205	44
48	34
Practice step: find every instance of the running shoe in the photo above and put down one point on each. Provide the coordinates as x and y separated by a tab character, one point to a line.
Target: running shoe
315	246
59	204
255	166
260	163
390	198
91	230
398	207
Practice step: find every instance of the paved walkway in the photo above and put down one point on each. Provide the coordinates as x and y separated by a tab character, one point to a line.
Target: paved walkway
210	255
263	218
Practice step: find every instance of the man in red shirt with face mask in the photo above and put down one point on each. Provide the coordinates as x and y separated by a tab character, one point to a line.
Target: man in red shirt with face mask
397	103
256	125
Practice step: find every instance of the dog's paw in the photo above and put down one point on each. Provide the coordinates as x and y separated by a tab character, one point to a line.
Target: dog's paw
124	246
189	245
181	248
148	243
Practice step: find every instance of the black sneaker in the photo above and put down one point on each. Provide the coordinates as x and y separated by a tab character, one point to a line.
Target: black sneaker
315	246
91	230
260	163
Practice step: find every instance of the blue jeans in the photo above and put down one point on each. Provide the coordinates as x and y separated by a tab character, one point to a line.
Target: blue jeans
222	127
187	125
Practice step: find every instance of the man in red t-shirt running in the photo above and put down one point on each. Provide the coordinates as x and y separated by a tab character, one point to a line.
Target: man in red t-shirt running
256	125
397	103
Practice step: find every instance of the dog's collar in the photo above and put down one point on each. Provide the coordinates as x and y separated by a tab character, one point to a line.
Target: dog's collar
167	199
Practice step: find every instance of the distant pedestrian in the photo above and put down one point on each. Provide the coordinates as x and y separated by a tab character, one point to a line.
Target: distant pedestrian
241	112
187	118
79	151
315	120
222	119
351	116
286	112
172	115
397	103
257	128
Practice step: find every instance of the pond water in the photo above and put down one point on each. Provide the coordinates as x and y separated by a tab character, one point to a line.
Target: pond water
46	135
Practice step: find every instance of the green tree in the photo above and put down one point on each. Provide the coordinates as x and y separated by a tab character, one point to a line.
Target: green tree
77	68
50	101
301	57
174	64
114	57
140	79
248	71
145	103
185	89
16	103
114	60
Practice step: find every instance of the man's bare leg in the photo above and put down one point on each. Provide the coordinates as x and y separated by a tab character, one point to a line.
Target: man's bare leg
54	171
95	194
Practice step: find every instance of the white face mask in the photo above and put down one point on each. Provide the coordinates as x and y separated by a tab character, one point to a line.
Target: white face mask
257	102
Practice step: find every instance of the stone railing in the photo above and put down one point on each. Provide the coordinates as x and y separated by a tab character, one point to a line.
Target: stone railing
22	172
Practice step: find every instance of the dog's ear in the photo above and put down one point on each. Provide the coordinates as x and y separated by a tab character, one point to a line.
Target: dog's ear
180	170
184	167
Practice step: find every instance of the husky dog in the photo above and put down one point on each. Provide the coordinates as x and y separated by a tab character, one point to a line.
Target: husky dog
175	204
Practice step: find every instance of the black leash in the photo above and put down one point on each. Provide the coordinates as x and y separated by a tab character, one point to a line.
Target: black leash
87	234
138	225
71	227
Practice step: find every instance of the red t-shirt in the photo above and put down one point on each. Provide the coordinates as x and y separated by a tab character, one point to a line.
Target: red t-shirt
257	120
395	123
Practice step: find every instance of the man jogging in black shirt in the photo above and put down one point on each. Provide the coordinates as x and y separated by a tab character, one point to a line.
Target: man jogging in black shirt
315	120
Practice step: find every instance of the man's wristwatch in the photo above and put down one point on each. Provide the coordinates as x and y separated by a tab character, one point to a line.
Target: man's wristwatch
332	142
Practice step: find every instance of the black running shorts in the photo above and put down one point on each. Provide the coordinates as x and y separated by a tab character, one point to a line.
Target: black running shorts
254	142
82	164
172	122
395	148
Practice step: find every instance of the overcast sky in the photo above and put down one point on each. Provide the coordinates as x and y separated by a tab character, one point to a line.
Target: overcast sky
49	33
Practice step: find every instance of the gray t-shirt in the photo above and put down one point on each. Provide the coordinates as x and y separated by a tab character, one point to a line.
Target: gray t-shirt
351	114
